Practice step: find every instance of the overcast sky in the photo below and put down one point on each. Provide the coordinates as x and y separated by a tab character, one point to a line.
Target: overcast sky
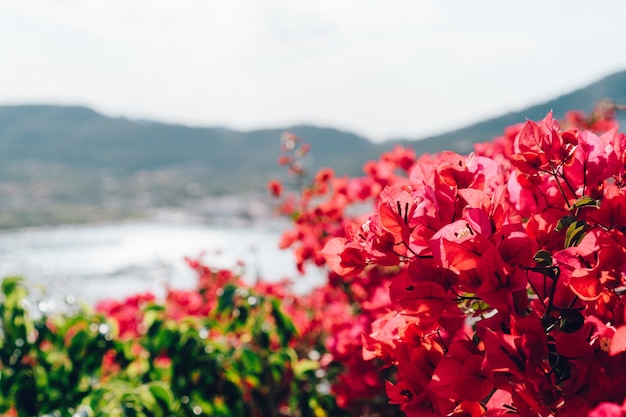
378	68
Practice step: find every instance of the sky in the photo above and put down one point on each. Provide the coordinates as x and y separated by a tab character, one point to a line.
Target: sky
381	69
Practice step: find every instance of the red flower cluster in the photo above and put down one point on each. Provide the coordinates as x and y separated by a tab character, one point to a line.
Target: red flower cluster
128	313
509	273
341	312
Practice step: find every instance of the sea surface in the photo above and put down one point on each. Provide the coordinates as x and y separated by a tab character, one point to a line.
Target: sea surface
95	262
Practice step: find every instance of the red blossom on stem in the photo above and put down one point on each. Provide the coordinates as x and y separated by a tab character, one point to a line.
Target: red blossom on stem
508	262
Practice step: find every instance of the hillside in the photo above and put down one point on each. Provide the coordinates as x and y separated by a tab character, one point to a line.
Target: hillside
61	164
66	164
79	137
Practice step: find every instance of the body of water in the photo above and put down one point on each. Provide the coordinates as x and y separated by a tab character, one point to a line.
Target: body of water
90	263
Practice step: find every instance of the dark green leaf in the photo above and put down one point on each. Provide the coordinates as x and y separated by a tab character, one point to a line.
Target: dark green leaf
163	394
305	366
575	233
251	361
564	223
285	327
543	258
78	345
584	201
570	321
225	301
9	285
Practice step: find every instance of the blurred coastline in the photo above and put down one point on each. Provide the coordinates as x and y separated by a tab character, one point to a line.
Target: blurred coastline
98	261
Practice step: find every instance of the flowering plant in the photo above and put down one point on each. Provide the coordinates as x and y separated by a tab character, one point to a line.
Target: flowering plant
504	270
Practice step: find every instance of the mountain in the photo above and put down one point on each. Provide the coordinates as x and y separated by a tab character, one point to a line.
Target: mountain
68	163
81	138
612	87
61	164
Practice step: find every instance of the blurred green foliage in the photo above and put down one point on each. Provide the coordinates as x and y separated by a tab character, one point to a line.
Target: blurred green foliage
236	361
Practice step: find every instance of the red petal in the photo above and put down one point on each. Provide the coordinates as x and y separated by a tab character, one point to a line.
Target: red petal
471	382
618	343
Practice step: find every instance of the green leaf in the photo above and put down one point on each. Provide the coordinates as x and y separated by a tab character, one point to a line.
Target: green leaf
130	410
305	366
251	361
9	285
165	339
225	301
147	401
152	322
15	292
575	233
584	201
285	327
543	258
570	321
41	377
263	339
242	315
564	223
162	393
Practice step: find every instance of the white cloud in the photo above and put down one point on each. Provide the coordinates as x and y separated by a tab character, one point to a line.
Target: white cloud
383	69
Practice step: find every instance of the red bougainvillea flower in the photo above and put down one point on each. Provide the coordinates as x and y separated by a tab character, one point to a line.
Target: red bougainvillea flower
608	409
345	258
618	342
275	187
540	147
469	409
414	402
126	313
421	299
396	209
460	374
591	163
